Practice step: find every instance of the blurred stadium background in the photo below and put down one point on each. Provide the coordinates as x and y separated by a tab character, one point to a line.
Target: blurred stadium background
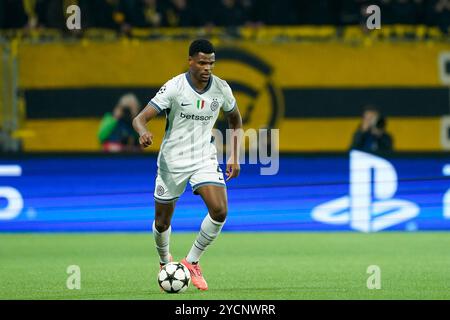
307	68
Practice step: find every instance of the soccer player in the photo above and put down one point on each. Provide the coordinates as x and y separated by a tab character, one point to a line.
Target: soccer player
191	102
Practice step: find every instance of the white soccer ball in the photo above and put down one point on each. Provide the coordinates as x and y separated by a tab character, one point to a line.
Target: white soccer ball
174	277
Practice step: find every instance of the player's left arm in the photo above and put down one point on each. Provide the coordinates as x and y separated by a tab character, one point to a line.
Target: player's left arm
235	124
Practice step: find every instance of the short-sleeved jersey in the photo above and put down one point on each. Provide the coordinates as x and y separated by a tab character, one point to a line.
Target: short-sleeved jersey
190	118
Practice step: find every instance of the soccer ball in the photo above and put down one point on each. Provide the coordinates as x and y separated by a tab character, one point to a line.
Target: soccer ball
174	277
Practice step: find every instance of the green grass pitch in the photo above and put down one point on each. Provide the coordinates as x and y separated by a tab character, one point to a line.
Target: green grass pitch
237	266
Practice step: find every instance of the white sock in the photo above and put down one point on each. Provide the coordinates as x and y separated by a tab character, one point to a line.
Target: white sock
162	243
209	231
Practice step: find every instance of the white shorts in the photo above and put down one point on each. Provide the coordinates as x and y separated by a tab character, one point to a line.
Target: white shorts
170	186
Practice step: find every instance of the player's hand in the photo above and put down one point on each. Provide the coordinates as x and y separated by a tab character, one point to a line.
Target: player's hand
233	169
146	139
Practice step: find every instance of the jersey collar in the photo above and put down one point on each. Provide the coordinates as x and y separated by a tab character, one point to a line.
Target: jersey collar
188	78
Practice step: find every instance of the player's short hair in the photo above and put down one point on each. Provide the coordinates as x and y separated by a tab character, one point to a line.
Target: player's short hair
200	45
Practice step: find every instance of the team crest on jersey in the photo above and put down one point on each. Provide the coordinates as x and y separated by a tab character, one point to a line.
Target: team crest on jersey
162	90
214	105
160	190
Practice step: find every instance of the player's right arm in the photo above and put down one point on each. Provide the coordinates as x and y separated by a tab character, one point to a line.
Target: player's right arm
161	101
140	125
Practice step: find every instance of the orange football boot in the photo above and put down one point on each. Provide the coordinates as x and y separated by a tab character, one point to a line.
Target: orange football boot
196	275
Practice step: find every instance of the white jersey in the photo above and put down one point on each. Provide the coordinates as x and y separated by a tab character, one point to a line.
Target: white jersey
190	118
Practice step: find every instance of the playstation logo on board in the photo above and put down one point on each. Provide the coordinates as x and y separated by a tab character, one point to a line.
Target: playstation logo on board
370	206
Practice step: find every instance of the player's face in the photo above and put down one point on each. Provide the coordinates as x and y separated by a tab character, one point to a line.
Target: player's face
201	66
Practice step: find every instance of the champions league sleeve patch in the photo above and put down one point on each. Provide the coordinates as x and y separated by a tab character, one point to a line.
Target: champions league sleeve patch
162	90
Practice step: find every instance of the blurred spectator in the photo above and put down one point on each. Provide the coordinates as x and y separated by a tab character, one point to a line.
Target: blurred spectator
250	12
318	12
437	13
281	12
124	14
371	136
351	12
52	13
400	11
179	14
34	14
144	13
13	14
228	13
103	14
116	133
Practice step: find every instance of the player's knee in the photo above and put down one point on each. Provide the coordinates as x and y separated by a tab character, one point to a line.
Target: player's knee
218	213
161	226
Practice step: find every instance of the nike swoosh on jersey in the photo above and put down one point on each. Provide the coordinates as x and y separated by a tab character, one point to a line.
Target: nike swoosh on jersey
185	104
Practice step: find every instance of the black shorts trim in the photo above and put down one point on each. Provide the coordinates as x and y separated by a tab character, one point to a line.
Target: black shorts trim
195	187
160	200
